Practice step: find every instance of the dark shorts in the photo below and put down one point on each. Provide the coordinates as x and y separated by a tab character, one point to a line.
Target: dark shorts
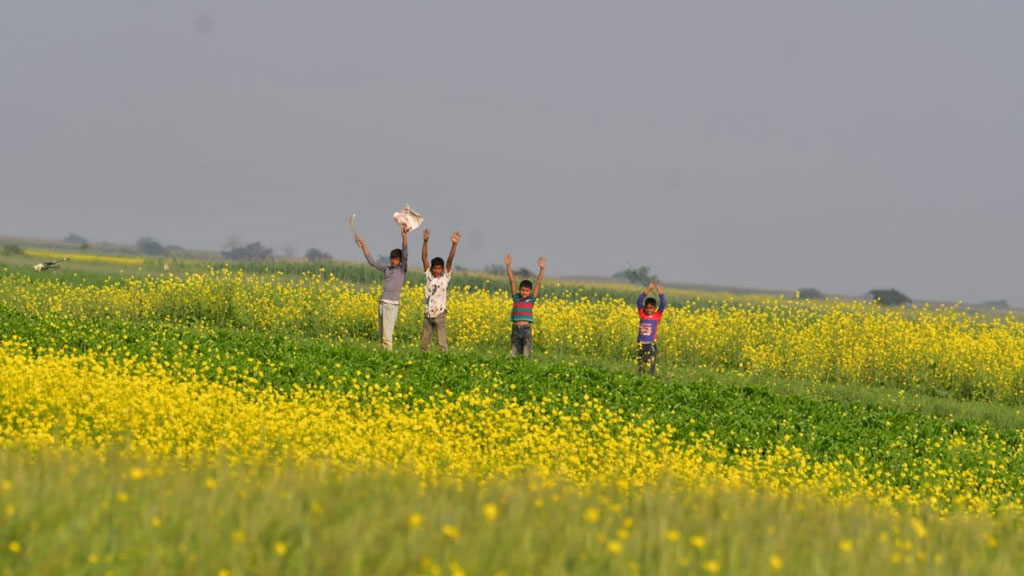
522	340
647	357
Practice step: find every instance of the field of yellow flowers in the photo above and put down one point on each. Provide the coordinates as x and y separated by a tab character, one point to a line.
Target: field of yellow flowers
946	351
229	422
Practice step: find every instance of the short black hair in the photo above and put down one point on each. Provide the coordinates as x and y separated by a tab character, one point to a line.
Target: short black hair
436	262
527	284
650	301
396	253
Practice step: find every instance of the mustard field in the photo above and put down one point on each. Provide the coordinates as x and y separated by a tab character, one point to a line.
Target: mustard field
948	351
229	422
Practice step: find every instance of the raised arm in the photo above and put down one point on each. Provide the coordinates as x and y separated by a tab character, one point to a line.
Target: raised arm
511	278
405	250
426	261
366	253
451	254
661	297
540	276
643	295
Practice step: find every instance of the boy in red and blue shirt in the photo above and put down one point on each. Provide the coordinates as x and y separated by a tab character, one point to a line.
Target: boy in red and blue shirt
647	347
522	309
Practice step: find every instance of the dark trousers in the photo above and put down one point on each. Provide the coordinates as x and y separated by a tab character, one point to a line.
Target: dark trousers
522	340
647	357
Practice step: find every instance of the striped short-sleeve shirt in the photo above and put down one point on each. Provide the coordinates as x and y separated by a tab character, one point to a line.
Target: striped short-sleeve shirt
522	308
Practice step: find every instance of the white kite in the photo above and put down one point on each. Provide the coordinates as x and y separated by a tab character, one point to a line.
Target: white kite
408	218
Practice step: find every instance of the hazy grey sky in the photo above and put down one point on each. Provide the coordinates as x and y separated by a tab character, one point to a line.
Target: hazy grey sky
837	145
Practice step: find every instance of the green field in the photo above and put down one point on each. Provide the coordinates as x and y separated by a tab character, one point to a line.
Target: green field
147	428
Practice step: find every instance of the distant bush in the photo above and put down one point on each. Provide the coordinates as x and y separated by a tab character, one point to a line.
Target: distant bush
809	294
150	247
640	275
13	249
254	251
1002	303
75	239
314	255
889	297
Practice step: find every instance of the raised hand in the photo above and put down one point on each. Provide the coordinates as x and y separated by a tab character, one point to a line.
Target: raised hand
541	262
455	237
508	260
426	234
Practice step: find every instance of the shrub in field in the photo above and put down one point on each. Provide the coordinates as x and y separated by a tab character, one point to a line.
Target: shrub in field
255	251
809	294
640	275
150	247
889	297
316	256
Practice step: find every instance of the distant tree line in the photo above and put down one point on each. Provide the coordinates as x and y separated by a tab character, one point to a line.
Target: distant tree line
1001	303
499	270
235	250
641	275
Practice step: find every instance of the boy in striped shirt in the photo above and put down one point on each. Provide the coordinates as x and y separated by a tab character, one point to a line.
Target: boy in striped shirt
650	314
522	309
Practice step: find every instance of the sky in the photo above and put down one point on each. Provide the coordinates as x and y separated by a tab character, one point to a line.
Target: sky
843	146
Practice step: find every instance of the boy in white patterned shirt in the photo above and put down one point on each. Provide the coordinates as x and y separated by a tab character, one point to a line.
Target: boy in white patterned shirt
435	301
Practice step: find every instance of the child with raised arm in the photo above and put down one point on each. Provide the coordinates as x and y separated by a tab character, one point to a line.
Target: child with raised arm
435	301
650	314
394	278
522	309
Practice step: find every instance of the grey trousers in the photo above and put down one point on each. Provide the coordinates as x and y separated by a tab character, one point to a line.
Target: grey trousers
435	325
386	317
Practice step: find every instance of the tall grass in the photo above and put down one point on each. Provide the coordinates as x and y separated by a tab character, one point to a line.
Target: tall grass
70	514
